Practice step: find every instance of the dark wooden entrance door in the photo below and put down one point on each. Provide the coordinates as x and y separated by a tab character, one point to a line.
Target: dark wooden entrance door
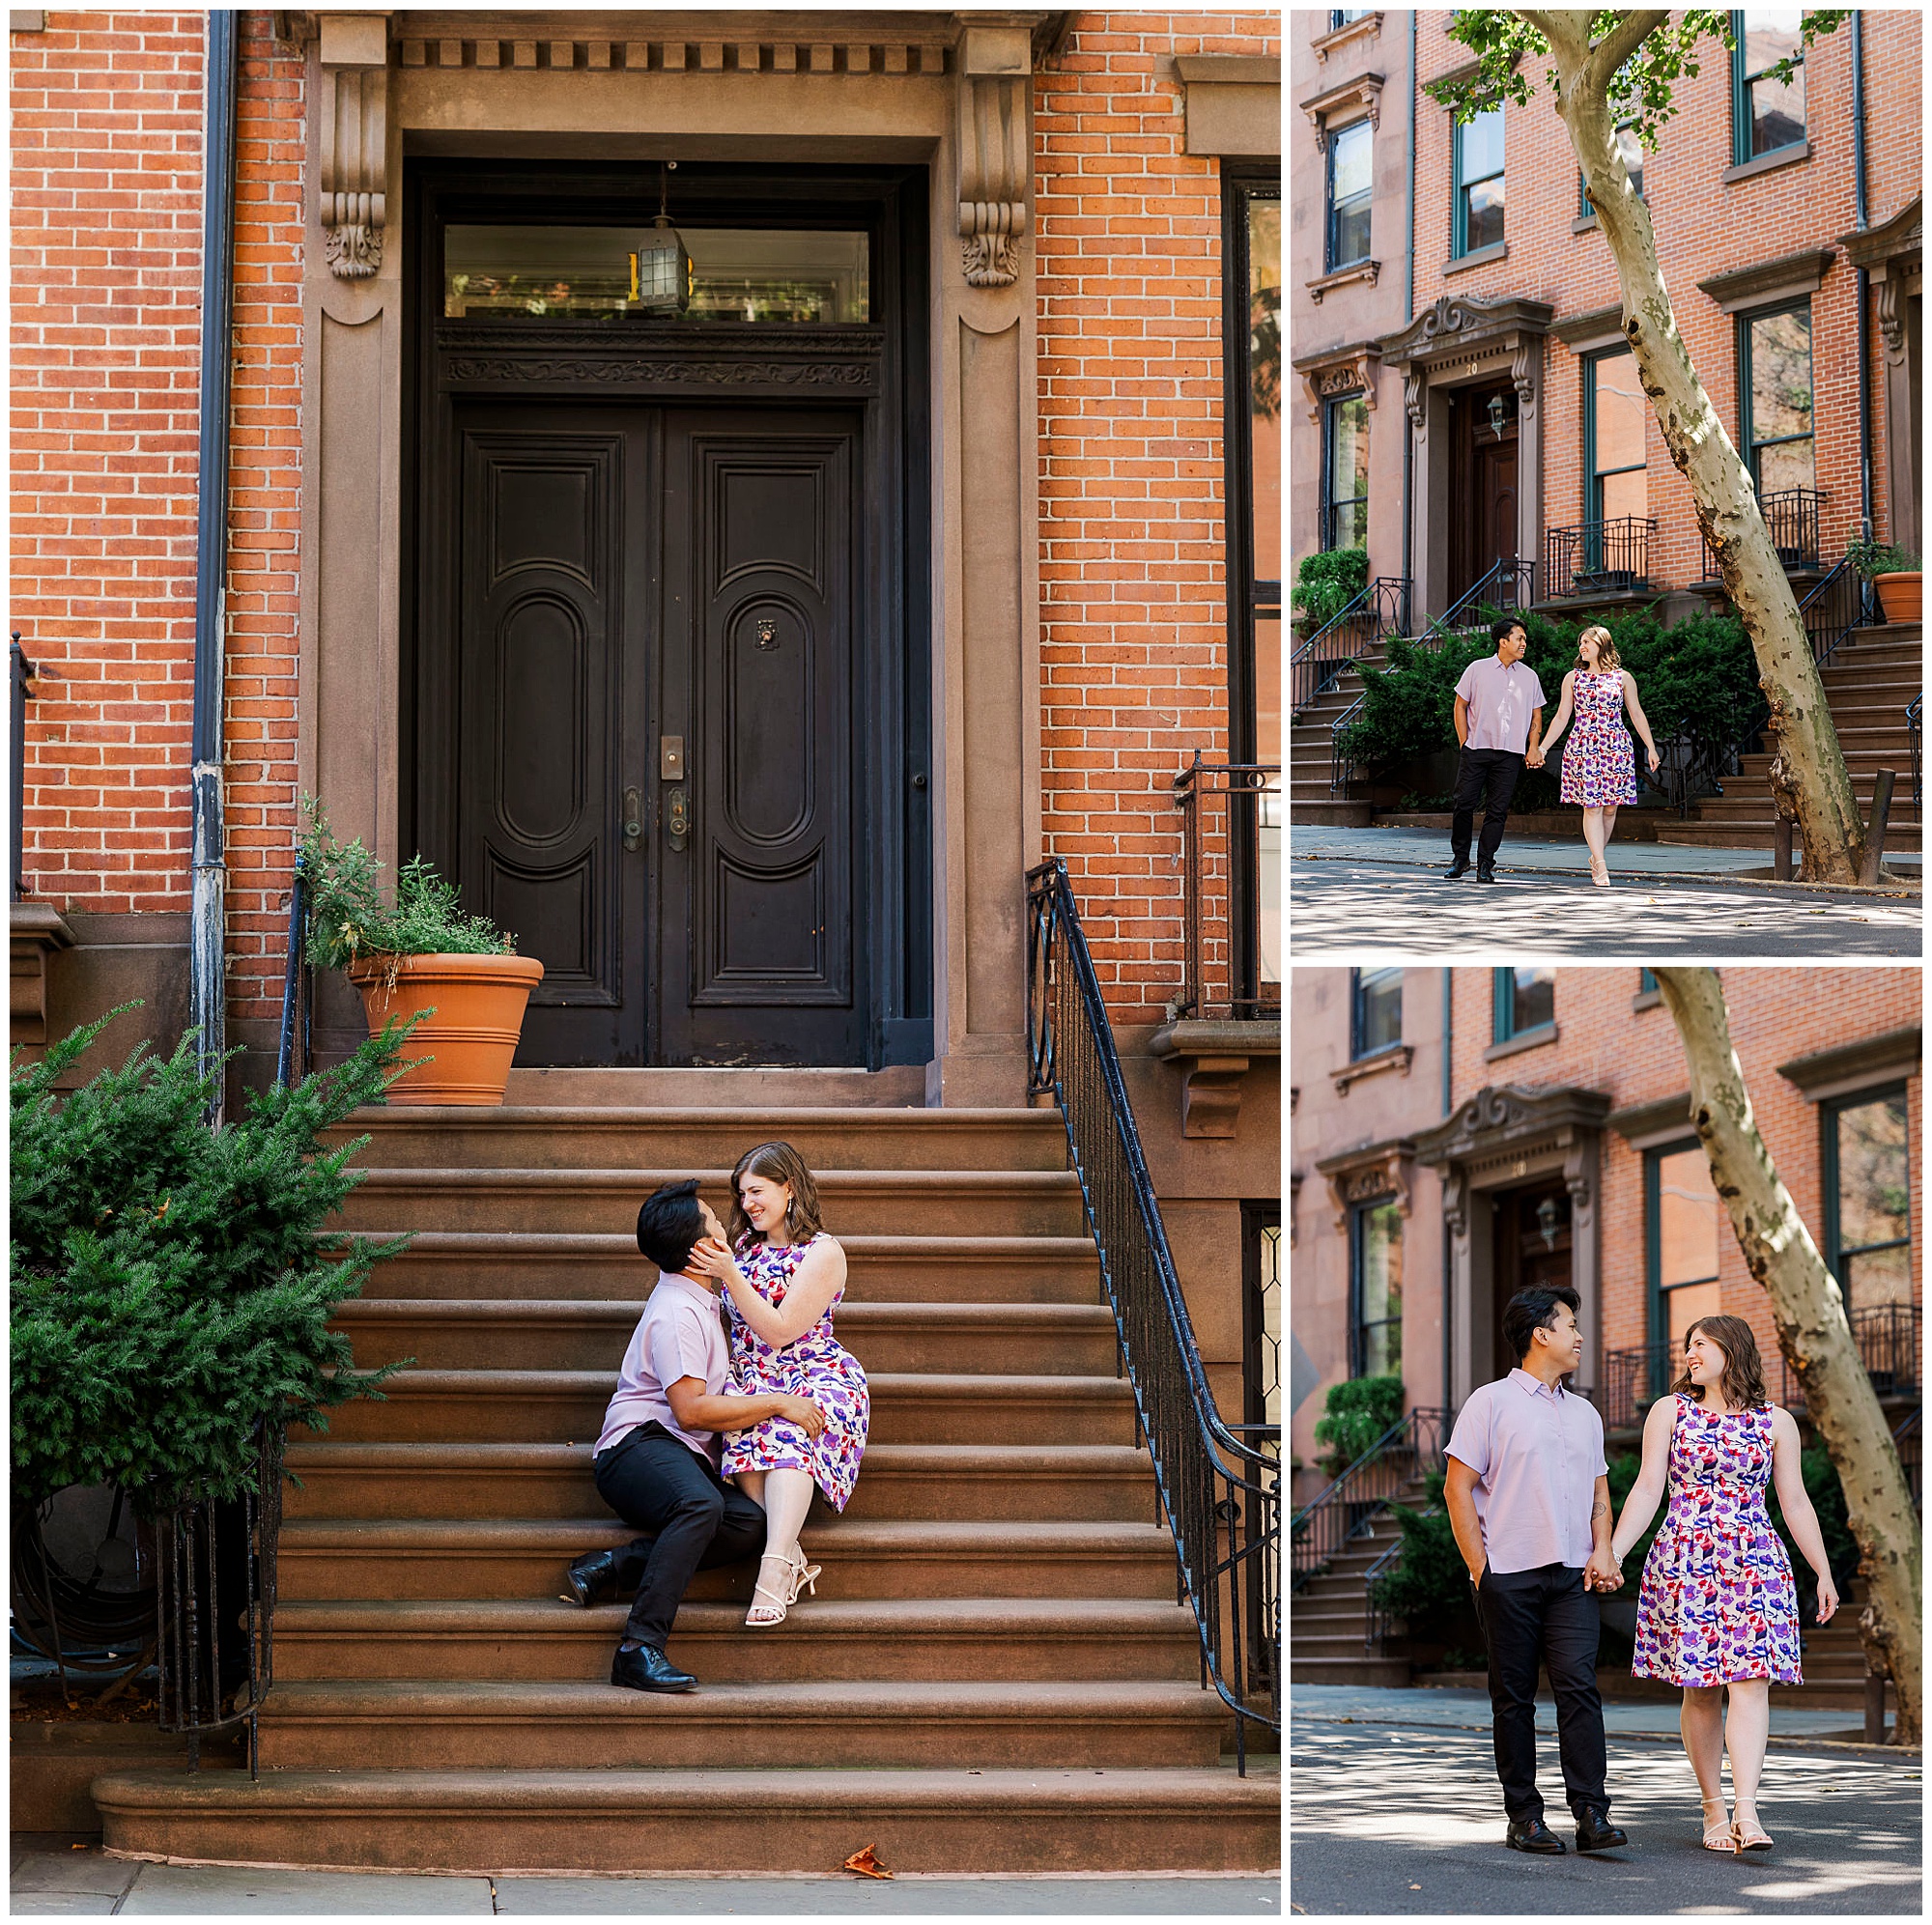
1530	1241
654	698
1483	503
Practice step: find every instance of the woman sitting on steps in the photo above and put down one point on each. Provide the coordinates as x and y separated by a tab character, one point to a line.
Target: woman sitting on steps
779	1308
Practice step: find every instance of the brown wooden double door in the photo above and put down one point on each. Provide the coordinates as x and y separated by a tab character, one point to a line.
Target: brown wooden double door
655	684
1483	501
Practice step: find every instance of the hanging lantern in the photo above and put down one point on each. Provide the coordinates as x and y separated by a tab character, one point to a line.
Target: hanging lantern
660	275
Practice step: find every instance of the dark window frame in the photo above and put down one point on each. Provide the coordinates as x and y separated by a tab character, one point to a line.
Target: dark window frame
1586	208
1830	1109
1743	145
1359	1326
1655	1292
1331	258
1360	982
1331	502
1746	428
1593	479
1459	188
1503	1010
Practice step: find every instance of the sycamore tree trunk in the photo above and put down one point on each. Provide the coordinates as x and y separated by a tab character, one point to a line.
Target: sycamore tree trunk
1808	776
1812	1333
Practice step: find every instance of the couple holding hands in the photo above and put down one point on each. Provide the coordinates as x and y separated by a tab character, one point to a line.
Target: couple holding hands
1529	1501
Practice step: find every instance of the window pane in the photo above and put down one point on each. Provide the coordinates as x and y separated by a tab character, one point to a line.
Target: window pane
1535	1001
1683	1307
1787	465
755	274
1771	34
1624	494
1874	1194
1687	1218
1348	472
1621	411
1486	214
1351	232
1354	156
1780	352
1875	1277
1265	382
1380	1018
1483	146
1379	1292
1777	112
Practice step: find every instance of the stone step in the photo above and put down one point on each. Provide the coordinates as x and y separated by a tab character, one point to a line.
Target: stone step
449	1560
1356	1670
807	1818
584	1136
881	1269
936	1482
547	1334
568	1406
823	1638
430	1724
1004	1203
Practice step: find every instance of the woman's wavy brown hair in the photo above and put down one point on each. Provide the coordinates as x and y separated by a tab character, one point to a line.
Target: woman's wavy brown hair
1606	650
1743	1381
778	1163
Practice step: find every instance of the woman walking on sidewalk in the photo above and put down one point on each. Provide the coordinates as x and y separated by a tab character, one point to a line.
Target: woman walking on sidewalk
1599	766
1718	1609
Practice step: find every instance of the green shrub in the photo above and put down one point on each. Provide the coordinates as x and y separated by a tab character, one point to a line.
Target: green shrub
1325	583
1429	1584
1871	558
1358	1410
168	1285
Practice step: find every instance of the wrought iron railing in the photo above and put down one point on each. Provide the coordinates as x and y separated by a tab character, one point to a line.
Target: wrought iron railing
23	693
1231	954
218	1584
1914	718
1840	602
1791	518
1219	1487
295	1055
1607	558
1381	610
1341	1512
1507	586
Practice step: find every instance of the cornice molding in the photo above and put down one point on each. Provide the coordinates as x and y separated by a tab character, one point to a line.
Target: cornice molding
1462	323
595	358
896	44
1646	1125
1768	281
1875	1060
1368	27
1370	1174
1510	1118
1883	248
1364	93
1395	1060
1343	277
1338	372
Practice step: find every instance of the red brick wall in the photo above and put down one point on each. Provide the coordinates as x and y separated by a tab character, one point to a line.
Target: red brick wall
1635	1057
1133	580
1703	226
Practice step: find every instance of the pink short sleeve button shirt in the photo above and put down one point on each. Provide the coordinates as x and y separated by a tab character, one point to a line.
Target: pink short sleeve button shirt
1537	1453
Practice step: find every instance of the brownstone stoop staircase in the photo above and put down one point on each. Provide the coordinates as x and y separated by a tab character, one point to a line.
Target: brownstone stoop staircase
994	1675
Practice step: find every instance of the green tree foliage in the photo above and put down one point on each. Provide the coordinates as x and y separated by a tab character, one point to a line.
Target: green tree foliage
1326	582
1357	1412
169	1287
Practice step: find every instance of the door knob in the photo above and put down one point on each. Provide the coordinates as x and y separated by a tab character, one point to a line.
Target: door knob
633	817
677	818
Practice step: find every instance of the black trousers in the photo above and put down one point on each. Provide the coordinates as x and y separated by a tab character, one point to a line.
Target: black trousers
1498	770
1544	1615
694	1520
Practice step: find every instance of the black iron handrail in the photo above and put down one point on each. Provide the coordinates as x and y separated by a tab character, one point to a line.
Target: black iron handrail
1215	1487
23	693
1791	519
200	1567
1236	955
1382	608
1605	557
297	989
1913	718
1345	1508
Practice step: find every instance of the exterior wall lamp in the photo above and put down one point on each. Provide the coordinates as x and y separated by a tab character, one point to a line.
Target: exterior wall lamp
1499	414
661	276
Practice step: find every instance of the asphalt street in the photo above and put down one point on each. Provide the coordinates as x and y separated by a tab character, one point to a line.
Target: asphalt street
1410	1822
1340	904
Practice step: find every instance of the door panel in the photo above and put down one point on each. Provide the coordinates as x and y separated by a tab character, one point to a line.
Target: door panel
757	957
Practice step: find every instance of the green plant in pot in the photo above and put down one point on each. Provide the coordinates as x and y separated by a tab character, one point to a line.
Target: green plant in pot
419	956
1894	572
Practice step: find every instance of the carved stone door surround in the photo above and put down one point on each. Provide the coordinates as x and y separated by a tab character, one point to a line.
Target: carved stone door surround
1892	254
951	91
1501	1137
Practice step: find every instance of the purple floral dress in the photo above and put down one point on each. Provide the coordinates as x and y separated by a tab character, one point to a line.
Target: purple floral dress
813	1365
1599	764
1717	1604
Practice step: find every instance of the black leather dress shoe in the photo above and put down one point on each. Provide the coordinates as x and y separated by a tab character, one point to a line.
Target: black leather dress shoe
1457	869
648	1669
593	1577
1485	873
1531	1834
1596	1833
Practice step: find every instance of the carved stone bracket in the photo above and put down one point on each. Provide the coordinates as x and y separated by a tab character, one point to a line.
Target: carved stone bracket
1215	1057
1338	372
1395	1060
1337	107
1377	1173
995	151
352	178
38	932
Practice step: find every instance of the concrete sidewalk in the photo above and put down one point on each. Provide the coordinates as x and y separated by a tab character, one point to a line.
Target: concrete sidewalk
51	1877
1429	848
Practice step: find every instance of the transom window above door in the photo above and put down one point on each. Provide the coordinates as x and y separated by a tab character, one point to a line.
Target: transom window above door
742	274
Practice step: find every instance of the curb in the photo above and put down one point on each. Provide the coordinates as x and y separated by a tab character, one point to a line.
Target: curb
1636	879
1836	1747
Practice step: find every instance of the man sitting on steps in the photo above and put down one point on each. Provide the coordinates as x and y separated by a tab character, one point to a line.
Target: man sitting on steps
656	1462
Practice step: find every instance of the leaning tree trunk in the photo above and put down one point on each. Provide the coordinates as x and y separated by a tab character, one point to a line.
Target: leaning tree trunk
1812	1333
1808	776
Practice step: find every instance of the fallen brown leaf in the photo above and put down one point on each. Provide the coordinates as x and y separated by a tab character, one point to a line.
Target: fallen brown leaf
866	1865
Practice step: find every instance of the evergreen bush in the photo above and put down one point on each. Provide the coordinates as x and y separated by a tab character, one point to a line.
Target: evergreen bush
1358	1410
169	1287
1429	1584
1326	582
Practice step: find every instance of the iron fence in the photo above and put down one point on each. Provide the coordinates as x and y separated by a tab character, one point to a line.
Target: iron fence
1791	517
1231	954
295	1055
1607	558
23	693
1913	720
1381	610
1342	1511
1219	1491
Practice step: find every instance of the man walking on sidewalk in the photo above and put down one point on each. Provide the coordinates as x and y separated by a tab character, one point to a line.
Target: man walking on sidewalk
1529	1502
1498	721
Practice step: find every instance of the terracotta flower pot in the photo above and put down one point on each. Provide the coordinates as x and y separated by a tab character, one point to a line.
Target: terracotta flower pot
479	1003
1899	595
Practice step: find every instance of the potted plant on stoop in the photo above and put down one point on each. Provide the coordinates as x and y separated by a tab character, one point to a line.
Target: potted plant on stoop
421	957
1894	572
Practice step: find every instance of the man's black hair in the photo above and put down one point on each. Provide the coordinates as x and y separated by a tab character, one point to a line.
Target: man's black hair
1503	625
669	1225
1532	1310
